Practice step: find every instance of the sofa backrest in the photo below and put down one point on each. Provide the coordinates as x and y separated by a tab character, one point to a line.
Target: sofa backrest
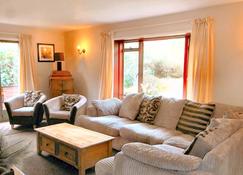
228	111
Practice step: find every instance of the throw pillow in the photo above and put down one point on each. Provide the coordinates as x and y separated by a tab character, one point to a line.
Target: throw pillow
149	109
130	106
69	100
195	117
169	112
218	131
107	107
31	97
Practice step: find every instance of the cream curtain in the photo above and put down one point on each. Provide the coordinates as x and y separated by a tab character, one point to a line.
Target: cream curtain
28	72
106	75
201	61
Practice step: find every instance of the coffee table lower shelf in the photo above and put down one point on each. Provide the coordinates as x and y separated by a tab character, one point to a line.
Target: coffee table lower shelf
81	158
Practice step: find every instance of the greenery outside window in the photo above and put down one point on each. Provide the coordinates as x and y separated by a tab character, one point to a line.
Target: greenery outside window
156	66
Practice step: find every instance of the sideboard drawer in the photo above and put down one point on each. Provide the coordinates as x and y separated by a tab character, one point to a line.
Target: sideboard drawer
47	145
68	154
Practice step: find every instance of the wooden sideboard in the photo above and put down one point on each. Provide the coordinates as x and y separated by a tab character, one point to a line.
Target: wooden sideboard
61	82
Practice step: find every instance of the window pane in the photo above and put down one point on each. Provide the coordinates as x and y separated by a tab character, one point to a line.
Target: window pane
131	45
9	68
163	67
130	81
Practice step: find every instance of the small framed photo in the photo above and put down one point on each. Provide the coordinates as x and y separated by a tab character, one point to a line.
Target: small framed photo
45	52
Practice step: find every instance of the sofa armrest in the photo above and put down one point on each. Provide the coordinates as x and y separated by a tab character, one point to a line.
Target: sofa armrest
78	109
156	157
227	155
91	110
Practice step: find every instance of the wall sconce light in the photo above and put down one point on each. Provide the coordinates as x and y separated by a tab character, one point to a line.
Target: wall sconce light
81	51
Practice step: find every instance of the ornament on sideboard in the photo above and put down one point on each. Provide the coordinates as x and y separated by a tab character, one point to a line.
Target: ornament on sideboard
59	57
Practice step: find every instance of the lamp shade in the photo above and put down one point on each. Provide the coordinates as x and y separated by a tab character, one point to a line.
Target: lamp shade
59	56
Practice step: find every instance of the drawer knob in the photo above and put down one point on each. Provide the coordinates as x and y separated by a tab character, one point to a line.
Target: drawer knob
66	153
47	144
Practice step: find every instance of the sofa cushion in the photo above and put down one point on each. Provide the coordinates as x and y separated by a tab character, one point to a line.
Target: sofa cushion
149	109
60	115
195	117
143	132
109	125
107	107
24	111
130	106
218	131
180	141
169	112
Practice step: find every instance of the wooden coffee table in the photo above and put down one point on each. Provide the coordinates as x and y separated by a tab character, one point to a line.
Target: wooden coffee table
77	146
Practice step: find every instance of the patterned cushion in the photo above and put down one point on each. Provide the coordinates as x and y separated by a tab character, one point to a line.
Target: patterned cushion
149	109
195	117
31	97
69	101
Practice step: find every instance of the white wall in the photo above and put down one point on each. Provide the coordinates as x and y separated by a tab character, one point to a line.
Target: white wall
229	48
40	36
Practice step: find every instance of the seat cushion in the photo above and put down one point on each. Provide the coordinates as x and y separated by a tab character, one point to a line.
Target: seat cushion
109	125
60	115
180	141
142	132
24	111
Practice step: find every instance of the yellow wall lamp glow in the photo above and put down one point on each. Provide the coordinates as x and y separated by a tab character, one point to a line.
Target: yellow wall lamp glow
81	51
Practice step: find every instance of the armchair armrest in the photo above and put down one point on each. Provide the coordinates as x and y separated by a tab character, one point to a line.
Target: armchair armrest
161	158
78	109
15	102
53	104
41	100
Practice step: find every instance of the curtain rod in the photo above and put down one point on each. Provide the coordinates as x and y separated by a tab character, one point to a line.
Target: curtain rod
153	25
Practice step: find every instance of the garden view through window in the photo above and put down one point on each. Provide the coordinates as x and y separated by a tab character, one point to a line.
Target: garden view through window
9	68
154	66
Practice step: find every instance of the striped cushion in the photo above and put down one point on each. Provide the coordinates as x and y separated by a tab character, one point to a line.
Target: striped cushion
195	117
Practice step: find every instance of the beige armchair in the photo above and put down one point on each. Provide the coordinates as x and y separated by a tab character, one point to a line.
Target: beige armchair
54	113
19	114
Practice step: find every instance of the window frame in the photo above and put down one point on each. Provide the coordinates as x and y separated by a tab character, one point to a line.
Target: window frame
119	51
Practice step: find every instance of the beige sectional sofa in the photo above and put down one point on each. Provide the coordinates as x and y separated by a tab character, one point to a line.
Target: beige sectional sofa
159	148
125	130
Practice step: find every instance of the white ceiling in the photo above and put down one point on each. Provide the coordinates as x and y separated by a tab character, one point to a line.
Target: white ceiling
70	14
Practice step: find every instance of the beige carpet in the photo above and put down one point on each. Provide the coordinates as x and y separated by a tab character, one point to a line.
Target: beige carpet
27	159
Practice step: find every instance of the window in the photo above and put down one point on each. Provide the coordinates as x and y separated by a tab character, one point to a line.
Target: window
9	68
156	66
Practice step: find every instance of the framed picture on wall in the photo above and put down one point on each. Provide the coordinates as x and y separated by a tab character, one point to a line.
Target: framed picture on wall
45	52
